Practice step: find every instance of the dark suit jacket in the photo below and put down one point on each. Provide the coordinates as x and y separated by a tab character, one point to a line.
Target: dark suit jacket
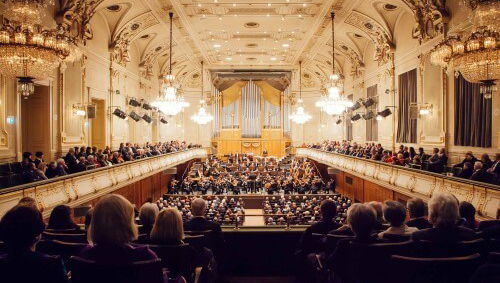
321	227
445	234
419	223
481	176
198	224
466	173
28	267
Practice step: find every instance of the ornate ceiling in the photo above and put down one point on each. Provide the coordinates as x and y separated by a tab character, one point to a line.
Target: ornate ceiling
252	34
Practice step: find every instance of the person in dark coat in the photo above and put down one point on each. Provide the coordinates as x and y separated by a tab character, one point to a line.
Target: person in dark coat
444	215
20	229
418	214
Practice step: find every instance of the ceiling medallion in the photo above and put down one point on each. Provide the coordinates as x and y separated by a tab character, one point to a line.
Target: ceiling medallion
251	25
477	56
28	50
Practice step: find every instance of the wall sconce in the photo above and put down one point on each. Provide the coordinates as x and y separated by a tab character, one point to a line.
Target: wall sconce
79	110
425	109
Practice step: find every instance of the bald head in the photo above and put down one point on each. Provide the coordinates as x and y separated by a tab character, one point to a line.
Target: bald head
198	207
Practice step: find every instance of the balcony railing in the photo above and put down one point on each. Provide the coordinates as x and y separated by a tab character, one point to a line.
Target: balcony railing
79	188
412	182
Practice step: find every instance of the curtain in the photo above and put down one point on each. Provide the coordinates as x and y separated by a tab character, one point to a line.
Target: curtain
371	125
216	94
287	126
407	125
472	115
348	123
250	116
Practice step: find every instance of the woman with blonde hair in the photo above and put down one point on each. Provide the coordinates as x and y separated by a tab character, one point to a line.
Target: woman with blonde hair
168	228
111	231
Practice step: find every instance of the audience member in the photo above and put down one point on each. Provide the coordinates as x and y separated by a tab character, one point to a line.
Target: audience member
168	228
417	209
20	229
468	215
328	211
147	217
111	231
61	219
479	174
395	214
444	214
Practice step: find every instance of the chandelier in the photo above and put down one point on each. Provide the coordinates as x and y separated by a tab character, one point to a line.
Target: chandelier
300	116
476	56
29	51
333	103
169	103
202	117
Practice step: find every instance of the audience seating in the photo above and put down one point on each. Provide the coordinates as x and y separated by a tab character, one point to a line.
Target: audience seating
84	271
449	269
66	237
64	249
178	259
464	248
395	238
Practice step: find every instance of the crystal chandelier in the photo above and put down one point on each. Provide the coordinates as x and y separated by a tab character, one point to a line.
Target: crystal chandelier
169	103
202	117
29	51
477	56
300	116
333	103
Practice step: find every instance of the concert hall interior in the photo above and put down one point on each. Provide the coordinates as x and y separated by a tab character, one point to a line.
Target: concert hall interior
286	141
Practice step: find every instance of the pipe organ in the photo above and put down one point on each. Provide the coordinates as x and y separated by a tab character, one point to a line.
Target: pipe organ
251	116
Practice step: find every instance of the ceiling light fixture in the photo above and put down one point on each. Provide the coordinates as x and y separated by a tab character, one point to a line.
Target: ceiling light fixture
333	103
300	116
476	57
285	45
169	102
202	117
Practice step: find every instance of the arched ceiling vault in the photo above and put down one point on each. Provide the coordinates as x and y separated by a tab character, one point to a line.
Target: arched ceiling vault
236	34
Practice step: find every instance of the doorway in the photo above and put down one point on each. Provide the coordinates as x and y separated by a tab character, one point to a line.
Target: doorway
98	124
35	122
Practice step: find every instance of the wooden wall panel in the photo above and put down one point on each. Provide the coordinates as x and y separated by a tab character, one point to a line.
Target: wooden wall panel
374	192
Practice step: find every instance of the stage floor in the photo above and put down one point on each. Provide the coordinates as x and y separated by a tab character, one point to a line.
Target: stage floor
253	217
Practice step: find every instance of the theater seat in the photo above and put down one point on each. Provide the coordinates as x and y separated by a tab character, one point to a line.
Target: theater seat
436	270
65	237
464	248
84	271
396	238
178	259
64	249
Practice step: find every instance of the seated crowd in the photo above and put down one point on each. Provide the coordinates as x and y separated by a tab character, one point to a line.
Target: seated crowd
221	210
481	170
360	250
32	251
302	210
83	158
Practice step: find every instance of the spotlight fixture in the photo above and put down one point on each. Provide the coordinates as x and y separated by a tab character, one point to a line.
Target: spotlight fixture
146	118
146	106
338	121
356	106
133	102
356	117
384	113
368	115
134	116
119	113
163	120
369	102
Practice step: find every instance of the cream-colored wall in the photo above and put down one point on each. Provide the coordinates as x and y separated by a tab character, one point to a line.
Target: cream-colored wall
435	86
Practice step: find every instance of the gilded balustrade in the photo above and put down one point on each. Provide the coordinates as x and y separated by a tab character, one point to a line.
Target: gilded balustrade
76	189
412	182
